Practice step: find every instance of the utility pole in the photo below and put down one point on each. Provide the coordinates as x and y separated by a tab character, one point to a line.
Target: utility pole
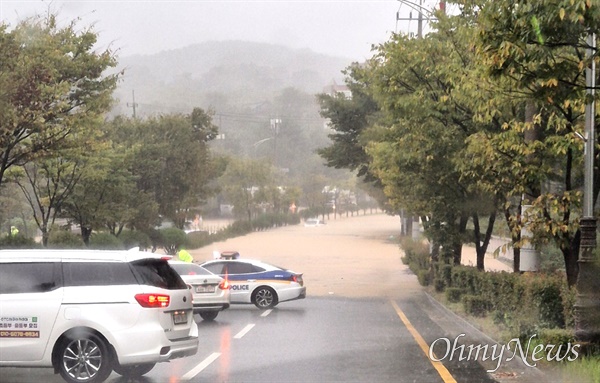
420	21
413	222
275	124
587	304
133	105
420	9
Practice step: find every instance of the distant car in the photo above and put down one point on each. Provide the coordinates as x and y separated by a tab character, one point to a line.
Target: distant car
210	292
259	283
312	222
229	255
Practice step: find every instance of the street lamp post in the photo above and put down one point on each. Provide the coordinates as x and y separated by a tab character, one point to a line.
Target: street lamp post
587	305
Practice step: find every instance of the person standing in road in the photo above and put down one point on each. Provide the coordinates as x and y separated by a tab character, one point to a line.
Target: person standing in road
185	256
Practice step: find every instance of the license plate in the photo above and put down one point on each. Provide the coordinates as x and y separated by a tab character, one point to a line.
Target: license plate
179	317
205	289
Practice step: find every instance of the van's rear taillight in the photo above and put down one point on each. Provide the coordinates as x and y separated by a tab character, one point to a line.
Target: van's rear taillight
153	300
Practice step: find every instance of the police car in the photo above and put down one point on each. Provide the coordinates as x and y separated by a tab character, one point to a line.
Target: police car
259	283
210	292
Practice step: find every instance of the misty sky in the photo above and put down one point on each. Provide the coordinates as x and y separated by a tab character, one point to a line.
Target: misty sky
335	27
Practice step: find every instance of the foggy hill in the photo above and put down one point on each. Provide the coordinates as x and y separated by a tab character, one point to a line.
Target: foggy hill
220	74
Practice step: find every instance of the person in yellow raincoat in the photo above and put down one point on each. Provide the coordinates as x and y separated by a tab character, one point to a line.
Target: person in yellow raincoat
185	256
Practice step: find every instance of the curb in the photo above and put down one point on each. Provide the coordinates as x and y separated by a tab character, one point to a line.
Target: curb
510	371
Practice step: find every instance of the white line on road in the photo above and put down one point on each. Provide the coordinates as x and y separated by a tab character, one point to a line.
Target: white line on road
266	313
244	331
198	369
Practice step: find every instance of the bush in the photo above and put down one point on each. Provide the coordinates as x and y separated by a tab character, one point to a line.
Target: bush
475	305
64	239
453	294
522	303
416	252
544	295
105	241
445	273
18	242
135	238
238	228
556	336
439	284
173	239
568	297
155	238
424	277
197	239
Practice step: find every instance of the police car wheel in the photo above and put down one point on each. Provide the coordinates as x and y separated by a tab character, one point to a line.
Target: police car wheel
209	315
264	297
84	357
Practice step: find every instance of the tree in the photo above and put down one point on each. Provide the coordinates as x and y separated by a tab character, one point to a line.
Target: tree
46	183
52	86
172	162
431	91
349	118
538	50
244	183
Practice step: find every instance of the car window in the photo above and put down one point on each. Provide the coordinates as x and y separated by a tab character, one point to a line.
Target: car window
215	268
157	272
189	269
98	274
29	277
240	268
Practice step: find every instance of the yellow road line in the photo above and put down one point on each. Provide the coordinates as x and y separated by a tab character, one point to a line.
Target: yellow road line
444	373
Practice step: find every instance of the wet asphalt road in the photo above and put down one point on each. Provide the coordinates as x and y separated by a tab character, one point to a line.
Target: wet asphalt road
321	339
365	319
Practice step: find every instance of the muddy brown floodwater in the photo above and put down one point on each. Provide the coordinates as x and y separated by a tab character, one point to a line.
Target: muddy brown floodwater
349	256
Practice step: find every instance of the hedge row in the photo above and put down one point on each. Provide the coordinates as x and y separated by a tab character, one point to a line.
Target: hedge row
521	303
170	239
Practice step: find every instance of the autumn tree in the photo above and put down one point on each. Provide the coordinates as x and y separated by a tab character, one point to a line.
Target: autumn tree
537	50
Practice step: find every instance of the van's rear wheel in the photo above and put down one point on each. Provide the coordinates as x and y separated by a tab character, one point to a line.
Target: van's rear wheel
84	357
209	315
134	370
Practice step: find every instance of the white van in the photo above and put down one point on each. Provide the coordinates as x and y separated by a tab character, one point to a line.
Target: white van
89	312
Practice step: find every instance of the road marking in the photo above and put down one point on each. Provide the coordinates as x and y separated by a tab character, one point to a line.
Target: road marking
244	331
198	369
444	373
266	313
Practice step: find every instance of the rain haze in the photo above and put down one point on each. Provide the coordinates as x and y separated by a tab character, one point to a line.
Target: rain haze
338	28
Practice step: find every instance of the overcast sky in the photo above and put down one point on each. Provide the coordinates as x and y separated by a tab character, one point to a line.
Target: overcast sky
337	27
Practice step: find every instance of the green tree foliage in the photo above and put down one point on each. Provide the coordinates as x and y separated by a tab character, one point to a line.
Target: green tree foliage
349	118
171	161
246	185
52	86
46	183
536	51
430	91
